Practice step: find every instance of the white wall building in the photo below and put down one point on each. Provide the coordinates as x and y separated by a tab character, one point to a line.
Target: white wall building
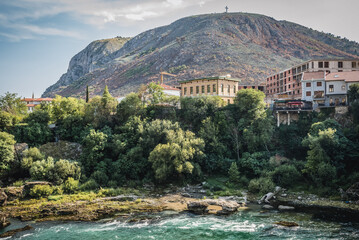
313	88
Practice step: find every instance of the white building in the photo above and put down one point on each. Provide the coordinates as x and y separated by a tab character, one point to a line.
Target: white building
337	86
31	103
313	88
171	91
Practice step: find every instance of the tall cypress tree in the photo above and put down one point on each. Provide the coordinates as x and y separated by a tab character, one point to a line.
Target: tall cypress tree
87	93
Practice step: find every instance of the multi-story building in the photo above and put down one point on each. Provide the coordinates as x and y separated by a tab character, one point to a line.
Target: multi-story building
313	88
31	103
337	86
286	83
260	87
223	86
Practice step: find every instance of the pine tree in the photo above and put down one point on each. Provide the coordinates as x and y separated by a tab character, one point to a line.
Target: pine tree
233	173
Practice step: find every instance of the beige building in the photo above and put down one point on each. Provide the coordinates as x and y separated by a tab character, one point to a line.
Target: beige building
223	86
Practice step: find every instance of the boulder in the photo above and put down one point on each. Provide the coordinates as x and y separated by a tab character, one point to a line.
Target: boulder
14	193
287	224
267	207
285	208
198	207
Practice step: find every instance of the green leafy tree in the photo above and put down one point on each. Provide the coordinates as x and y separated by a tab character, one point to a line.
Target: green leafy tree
93	150
33	133
62	107
6	152
64	169
40	169
12	104
30	156
130	106
71	185
178	156
6	120
155	93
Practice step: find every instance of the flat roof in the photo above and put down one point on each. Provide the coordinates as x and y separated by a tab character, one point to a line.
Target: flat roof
212	78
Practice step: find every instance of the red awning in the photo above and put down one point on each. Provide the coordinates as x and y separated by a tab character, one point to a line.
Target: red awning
295	103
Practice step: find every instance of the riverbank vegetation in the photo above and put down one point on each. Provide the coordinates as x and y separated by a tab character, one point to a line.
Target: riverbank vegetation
147	140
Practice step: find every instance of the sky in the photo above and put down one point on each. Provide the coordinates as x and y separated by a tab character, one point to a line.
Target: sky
39	37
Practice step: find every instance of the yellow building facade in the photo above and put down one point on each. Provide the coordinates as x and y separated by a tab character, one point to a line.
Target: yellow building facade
224	87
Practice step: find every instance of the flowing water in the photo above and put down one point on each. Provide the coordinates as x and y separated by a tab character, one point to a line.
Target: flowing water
242	225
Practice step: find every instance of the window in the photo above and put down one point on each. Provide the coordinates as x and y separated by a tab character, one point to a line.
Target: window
288	78
340	64
234	89
312	64
288	86
319	84
214	87
228	101
298	91
229	89
202	88
326	64
331	88
208	88
320	64
308	93
308	84
222	88
343	87
253	87
197	89
185	91
191	90
354	64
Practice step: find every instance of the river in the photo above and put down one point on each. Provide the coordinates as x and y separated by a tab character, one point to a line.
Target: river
168	225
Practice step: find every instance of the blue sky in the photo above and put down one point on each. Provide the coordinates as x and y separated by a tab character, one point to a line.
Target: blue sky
39	37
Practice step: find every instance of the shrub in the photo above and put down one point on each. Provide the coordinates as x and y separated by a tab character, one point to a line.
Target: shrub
100	177
39	191
71	185
261	185
54	198
18	183
57	190
89	185
286	175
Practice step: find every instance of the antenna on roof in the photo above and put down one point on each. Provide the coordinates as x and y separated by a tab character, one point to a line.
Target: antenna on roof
226	9
33	95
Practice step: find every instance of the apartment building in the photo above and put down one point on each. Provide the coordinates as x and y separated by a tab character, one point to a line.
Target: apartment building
223	86
287	82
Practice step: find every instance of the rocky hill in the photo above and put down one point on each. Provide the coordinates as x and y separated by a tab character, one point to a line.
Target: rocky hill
247	46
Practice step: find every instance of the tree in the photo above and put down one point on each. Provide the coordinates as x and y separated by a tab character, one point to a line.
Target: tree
176	158
233	173
12	104
87	94
63	107
155	92
93	147
353	93
30	156
6	152
40	169
130	106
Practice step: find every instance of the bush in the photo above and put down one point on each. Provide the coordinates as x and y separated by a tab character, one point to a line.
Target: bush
286	175
100	177
39	191
326	174
234	173
71	185
89	185
18	183
261	185
57	190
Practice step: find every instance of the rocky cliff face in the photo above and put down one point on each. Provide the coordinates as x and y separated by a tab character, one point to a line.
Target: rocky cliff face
247	46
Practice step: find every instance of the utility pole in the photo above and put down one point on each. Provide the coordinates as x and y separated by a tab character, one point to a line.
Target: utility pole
226	9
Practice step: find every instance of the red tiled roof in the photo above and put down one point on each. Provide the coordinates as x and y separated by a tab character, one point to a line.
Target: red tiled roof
166	87
343	76
313	75
36	99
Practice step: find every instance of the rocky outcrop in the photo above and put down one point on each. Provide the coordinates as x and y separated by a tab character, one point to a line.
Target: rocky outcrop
13	193
3	198
202	206
13	232
3	220
248	46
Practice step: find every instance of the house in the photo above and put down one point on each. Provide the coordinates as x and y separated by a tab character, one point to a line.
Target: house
171	91
313	88
31	103
337	86
225	87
